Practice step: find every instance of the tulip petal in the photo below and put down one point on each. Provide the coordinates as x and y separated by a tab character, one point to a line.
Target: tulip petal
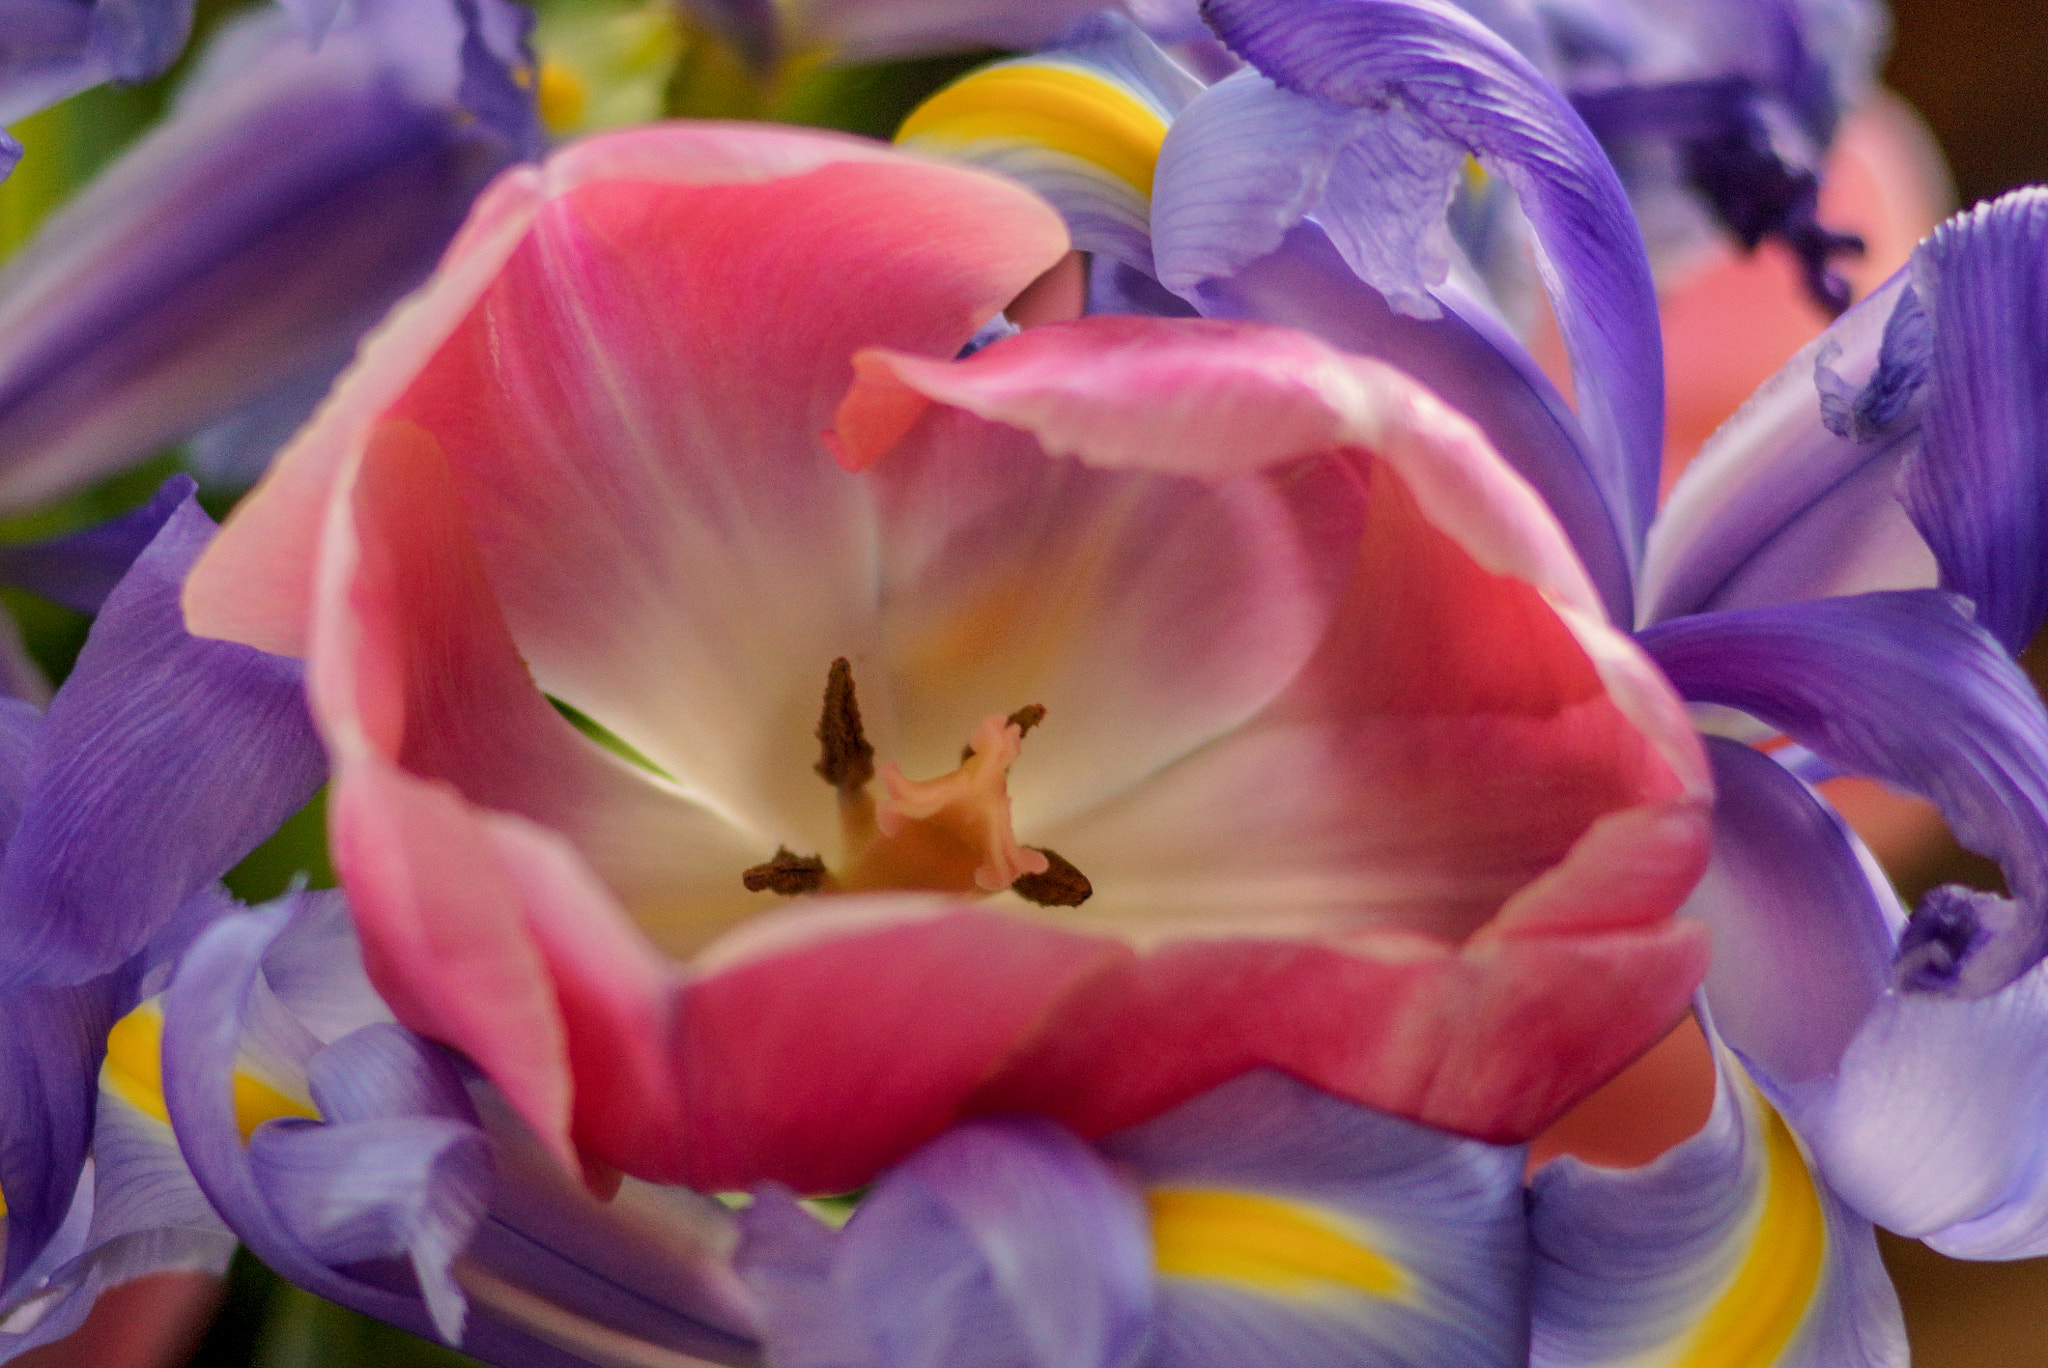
1403	1244
1726	1244
1464	358
1412	522
1906	688
178	753
1466	85
831	1043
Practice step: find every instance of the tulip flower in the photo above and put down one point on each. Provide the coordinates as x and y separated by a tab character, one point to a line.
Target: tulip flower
221	271
1285	797
161	762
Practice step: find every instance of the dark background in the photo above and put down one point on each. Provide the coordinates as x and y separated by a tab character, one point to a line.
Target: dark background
1977	70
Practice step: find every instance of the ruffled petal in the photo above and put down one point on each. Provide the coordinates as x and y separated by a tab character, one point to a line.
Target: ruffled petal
1291	1228
1250	160
164	759
551	1276
1463	84
1803	925
393	1187
1006	1243
1893	452
1924	1114
1726	1245
1906	688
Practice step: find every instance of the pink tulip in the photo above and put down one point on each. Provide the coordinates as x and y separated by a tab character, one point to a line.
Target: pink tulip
1365	786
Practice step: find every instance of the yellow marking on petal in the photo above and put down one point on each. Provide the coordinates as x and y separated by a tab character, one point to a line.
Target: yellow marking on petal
563	98
1267	1245
1753	1320
1061	108
134	1073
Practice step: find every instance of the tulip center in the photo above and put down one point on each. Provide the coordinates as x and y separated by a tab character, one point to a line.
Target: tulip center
950	834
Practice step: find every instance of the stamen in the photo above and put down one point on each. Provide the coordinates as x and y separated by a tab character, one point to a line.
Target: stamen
1025	718
845	759
790	874
1061	885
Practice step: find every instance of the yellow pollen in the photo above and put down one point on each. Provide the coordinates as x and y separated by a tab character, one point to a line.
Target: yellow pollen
1267	1245
1060	108
134	1073
562	98
1753	1320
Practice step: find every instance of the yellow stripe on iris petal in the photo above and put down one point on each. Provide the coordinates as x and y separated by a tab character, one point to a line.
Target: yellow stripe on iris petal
1266	1245
134	1073
1760	1310
1061	108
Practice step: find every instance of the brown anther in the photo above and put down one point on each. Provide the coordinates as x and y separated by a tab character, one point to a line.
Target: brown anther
789	874
1061	885
845	759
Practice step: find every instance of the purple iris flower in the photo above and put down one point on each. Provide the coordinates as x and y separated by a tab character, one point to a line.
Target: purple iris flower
221	271
162	760
1262	1225
51	49
405	1188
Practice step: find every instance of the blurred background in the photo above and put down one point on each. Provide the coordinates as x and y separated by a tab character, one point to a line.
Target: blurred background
1976	70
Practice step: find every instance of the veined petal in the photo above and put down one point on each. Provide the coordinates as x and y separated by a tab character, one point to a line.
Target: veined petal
1726	1248
1803	924
1905	688
164	759
154	302
1290	1228
1461	81
1081	123
144	1216
50	1054
1977	491
1008	1243
1891	453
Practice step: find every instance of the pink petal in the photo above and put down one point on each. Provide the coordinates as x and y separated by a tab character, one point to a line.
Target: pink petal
819	1059
632	413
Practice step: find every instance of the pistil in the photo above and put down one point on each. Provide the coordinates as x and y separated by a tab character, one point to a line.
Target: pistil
949	834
